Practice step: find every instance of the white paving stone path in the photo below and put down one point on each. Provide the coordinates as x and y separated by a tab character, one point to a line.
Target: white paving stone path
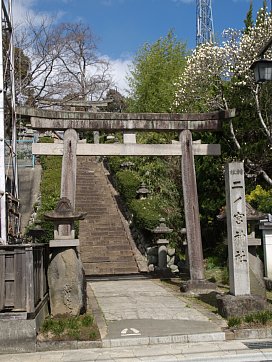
141	299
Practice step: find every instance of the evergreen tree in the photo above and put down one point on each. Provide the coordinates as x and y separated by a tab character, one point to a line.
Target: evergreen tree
156	68
249	18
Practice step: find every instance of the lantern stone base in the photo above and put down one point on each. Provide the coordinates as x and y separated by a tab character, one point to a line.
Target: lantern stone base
63	243
237	306
196	286
163	273
67	286
268	283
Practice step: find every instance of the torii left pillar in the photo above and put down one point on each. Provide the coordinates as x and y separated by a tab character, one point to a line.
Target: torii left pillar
65	272
192	219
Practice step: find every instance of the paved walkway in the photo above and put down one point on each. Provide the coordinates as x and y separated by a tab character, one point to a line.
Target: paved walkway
142	312
232	351
145	321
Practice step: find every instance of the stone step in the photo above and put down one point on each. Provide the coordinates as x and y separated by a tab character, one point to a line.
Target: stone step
111	268
105	250
118	245
104	246
106	259
92	230
102	242
114	247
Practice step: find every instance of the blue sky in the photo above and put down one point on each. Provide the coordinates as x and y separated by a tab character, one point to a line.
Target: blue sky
124	25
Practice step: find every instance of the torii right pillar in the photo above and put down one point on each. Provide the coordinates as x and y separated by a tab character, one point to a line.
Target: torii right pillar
192	219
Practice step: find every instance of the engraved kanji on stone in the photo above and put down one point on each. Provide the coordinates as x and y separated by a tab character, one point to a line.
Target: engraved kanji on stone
239	236
239	217
237	185
237	172
240	256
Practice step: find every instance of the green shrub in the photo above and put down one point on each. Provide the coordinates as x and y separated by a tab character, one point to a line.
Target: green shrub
146	213
50	189
128	182
55	326
250	318
225	276
234	322
67	328
263	317
160	175
87	320
261	199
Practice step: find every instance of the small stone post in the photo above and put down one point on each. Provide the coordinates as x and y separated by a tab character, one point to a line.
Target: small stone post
129	137
266	227
191	210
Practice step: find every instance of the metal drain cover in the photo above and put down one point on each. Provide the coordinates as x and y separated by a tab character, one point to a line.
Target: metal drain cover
258	345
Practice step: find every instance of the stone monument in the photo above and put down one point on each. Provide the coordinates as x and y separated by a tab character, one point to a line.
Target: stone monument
239	301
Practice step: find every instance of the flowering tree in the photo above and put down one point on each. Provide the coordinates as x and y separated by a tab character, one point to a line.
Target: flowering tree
219	77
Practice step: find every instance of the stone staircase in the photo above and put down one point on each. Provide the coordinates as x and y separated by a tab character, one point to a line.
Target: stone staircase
105	246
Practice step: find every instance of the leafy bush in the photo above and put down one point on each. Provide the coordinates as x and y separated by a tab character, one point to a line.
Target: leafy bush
67	328
128	182
260	199
146	213
163	181
50	189
254	319
234	322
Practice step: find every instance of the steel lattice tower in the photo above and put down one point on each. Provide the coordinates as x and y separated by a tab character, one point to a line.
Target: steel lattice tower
204	22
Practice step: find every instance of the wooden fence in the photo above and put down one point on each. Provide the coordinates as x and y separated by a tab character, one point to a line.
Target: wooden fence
23	283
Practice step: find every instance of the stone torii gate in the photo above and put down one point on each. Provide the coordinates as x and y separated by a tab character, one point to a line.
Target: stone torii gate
129	124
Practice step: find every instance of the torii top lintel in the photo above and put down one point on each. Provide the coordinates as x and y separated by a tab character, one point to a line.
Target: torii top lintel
61	120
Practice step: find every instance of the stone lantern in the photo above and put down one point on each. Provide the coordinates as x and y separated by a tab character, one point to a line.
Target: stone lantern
142	191
36	232
63	218
127	165
253	218
160	232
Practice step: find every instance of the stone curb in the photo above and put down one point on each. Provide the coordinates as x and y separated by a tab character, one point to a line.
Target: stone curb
66	345
242	334
184	338
260	333
97	312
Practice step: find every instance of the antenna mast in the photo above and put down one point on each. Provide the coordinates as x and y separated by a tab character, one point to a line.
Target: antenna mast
204	22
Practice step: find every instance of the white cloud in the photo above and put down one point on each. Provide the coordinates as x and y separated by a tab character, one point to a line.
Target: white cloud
23	9
119	71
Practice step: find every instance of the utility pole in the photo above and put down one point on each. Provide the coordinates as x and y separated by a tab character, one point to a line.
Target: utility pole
204	22
8	155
